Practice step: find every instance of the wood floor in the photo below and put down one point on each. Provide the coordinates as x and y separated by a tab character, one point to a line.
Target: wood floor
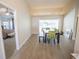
10	46
35	50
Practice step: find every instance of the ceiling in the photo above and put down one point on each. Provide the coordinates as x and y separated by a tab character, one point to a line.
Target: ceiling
41	7
48	3
2	6
4	10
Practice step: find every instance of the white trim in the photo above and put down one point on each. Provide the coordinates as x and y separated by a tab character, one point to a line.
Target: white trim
15	23
24	42
16	32
2	44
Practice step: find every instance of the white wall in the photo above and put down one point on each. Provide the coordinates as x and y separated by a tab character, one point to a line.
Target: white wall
76	49
35	22
69	22
23	21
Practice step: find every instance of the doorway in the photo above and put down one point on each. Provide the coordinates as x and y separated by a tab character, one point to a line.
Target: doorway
7	17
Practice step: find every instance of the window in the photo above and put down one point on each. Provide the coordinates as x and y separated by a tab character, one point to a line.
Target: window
54	23
6	25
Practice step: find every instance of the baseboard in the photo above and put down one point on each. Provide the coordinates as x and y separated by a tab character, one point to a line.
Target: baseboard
24	42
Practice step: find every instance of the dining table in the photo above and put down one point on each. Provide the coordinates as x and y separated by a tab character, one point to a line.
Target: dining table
46	34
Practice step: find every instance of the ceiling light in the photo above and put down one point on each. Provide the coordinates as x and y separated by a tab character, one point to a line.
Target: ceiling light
7	14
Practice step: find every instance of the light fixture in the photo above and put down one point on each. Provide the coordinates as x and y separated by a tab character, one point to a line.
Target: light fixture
7	14
5	11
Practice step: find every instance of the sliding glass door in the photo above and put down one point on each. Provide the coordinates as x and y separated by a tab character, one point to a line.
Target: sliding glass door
49	23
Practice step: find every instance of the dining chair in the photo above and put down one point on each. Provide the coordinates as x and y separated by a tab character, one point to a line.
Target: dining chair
51	36
41	35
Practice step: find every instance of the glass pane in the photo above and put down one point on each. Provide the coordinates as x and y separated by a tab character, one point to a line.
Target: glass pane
51	24
6	25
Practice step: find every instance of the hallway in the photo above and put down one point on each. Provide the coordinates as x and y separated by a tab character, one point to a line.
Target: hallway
35	50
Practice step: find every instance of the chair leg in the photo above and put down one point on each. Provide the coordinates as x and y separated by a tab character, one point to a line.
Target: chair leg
48	41
39	39
58	41
54	41
43	39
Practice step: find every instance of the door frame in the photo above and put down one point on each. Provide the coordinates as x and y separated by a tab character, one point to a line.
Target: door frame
16	28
